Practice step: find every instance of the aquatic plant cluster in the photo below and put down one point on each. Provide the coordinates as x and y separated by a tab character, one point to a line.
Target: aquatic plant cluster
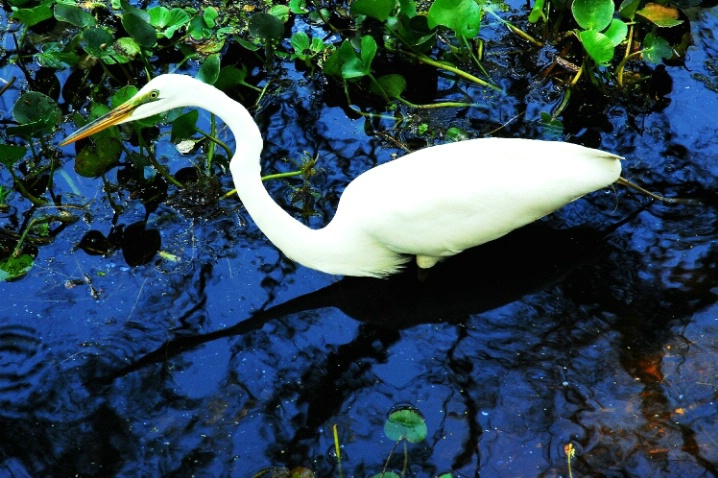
362	48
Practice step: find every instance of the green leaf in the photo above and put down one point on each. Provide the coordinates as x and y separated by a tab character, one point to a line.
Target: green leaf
127	8
300	42
159	17
298	7
280	11
74	16
392	85
230	76
33	16
616	32
656	49
178	19
96	159
37	111
210	15
593	14
386	474
597	45
628	8
462	16
537	11
53	55
379	9
141	31
9	154
660	15
126	48
13	268
368	51
266	27
185	126
406	423
209	71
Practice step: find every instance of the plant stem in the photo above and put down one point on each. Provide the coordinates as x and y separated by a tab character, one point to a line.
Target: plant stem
444	66
269	177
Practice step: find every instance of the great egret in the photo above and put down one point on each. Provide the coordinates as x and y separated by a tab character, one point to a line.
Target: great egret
430	204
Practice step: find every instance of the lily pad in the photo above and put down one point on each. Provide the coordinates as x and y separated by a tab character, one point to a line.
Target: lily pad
406	423
38	112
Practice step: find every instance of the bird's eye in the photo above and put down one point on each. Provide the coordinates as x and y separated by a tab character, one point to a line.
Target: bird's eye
154	94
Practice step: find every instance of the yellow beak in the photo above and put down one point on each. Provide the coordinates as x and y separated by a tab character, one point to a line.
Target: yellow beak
116	116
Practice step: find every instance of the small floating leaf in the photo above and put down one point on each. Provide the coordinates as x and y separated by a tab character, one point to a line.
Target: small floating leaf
656	49
13	268
38	112
379	9
10	154
74	16
406	423
597	45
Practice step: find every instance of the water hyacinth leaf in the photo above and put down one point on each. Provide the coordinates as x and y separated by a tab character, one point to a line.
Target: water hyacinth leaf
53	55
300	42
656	49
33	16
96	159
10	154
628	8
387	474
74	16
13	268
392	85
461	16
593	14
37	111
617	31
368	51
230	76
378	9
141	31
159	17
298	7
266	26
660	15
96	41
406	423
597	45
127	8
185	126
210	15
209	71
537	11
280	11
178	19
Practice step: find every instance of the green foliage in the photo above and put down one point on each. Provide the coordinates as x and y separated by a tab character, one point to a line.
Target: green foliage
37	114
406	424
461	16
15	267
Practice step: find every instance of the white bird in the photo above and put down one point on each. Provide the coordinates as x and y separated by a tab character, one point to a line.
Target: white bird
430	204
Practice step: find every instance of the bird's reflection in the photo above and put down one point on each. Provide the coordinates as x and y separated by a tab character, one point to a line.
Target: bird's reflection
529	260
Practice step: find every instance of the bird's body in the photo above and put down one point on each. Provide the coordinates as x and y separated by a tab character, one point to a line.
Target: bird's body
429	204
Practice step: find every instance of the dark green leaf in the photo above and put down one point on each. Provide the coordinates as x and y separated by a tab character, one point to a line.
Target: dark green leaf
379	9
141	31
37	111
392	85
266	26
185	126
628	8
96	159
656	49
209	71
127	8
10	154
74	16
230	76
33	16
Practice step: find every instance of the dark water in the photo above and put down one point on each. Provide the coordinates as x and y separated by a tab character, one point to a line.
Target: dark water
597	327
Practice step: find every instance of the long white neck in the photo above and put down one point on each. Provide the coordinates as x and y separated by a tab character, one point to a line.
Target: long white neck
293	238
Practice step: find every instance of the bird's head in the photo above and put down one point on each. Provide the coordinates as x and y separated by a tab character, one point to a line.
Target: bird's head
161	94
